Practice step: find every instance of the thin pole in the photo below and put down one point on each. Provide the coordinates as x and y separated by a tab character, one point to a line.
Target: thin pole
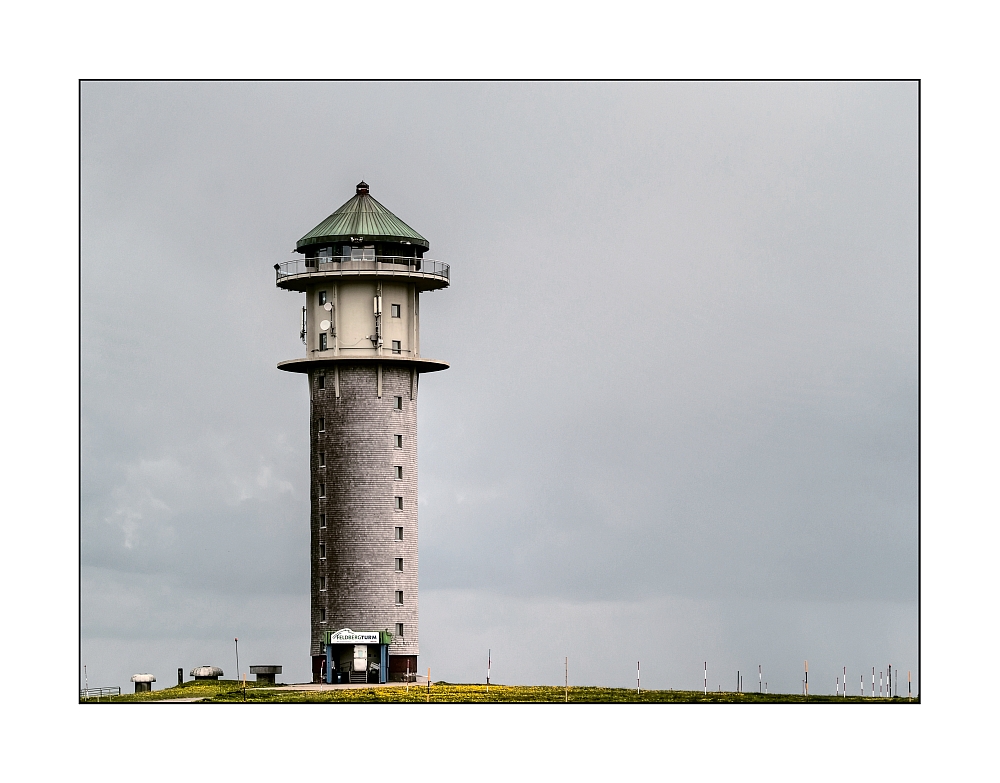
567	679
86	682
706	678
637	678
845	682
407	675
807	678
760	679
428	684
489	664
908	695
237	659
873	683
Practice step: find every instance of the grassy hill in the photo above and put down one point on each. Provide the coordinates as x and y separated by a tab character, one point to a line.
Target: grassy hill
230	691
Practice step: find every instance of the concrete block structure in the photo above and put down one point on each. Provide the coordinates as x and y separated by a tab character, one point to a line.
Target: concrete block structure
362	272
265	673
143	682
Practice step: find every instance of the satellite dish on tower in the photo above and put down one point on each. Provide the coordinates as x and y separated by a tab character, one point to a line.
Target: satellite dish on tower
324	325
328	306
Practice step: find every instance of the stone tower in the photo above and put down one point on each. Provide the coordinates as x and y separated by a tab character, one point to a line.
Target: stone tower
362	273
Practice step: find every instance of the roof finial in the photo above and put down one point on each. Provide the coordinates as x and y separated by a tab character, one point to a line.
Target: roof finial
362	187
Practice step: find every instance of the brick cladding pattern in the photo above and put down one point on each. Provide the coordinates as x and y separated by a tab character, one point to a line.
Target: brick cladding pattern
361	517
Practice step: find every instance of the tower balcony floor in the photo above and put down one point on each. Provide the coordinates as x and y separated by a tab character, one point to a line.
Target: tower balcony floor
314	363
301	273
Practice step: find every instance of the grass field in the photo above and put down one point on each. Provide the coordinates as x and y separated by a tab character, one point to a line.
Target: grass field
229	691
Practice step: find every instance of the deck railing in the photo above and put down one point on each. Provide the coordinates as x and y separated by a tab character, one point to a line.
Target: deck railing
97	693
383	265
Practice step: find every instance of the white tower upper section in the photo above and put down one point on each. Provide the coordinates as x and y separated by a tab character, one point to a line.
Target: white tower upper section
363	271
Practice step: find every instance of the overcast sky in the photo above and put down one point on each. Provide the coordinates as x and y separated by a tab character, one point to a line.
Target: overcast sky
681	419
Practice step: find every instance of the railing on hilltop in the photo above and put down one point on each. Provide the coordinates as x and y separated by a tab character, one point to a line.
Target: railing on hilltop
383	265
91	693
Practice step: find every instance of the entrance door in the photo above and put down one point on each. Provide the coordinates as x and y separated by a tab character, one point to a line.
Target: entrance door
361	657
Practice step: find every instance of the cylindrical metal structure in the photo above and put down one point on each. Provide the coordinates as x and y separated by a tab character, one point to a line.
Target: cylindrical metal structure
362	276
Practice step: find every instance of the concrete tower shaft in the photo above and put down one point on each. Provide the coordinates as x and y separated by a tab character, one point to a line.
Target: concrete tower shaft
362	275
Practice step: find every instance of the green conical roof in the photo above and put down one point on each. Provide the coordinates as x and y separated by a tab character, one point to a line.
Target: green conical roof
362	217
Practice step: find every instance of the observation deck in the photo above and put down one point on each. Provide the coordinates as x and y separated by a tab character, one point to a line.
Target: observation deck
301	273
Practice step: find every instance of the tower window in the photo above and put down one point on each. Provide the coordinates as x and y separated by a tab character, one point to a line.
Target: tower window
397	346
322	424
399	598
399	403
322	459
399	564
322	614
322	297
322	551
322	490
399	471
322	520
399	503
399	629
399	440
322	341
399	534
322	583
321	382
394	310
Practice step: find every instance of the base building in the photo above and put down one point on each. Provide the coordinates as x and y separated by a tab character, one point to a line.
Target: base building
362	271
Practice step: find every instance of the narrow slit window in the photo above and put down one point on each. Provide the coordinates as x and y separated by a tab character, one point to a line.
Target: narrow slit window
322	341
399	471
322	551
322	459
399	598
394	310
397	346
322	583
322	520
322	298
399	564
399	629
321	382
399	440
322	424
399	403
322	614
399	503
322	490
399	534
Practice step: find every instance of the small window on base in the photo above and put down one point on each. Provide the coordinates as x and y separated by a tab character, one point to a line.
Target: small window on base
322	520
399	534
397	346
399	598
399	403
394	310
398	438
322	583
321	382
399	629
399	503
399	564
322	614
399	471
